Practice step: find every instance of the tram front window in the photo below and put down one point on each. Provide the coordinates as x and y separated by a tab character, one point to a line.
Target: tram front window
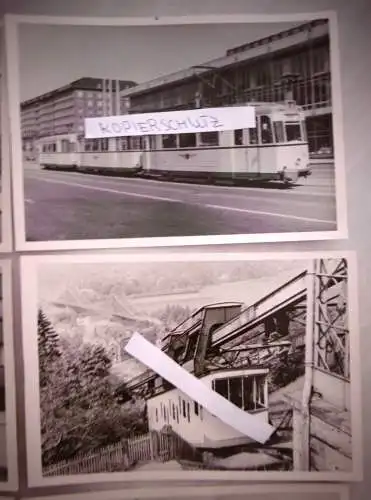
293	131
247	393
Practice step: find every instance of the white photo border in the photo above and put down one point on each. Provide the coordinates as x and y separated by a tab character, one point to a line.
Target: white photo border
29	301
238	492
6	186
10	386
12	23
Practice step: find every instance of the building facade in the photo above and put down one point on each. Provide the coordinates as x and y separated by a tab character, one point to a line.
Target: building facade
63	110
293	64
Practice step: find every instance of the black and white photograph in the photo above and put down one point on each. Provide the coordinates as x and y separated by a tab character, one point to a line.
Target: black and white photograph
5	218
220	492
275	335
8	445
282	179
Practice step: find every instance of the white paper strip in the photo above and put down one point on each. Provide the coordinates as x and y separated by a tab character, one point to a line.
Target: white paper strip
171	122
163	365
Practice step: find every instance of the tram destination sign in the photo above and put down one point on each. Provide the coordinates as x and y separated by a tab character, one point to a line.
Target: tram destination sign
171	122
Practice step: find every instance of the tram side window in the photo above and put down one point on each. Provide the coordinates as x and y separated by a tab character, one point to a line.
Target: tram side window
304	130
259	391
196	408
238	137
293	132
64	146
253	133
136	143
169	141
187	140
95	145
279	134
152	142
122	144
221	387
104	144
266	130
235	391
88	145
209	139
191	348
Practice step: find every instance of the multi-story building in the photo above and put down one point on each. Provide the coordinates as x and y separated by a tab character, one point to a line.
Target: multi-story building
63	110
293	64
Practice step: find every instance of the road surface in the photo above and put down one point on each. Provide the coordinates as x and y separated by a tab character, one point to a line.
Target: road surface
74	206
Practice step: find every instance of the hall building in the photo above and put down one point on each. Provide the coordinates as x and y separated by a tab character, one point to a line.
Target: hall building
292	64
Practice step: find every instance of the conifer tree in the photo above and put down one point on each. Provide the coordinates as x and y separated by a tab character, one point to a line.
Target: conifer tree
48	345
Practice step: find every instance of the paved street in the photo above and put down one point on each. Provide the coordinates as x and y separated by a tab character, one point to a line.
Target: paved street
66	205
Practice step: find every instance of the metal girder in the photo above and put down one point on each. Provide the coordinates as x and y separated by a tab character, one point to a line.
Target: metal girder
331	330
292	292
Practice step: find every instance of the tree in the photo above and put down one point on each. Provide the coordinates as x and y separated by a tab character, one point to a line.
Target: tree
48	345
80	410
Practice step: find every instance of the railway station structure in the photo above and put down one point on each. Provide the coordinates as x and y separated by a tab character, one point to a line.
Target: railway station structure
290	65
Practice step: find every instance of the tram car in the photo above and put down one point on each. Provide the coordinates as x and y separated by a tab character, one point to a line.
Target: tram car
275	150
245	388
189	344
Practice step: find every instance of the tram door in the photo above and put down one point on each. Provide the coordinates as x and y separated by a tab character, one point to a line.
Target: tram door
252	151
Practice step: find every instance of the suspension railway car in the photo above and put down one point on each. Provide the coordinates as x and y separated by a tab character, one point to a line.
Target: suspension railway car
275	150
189	344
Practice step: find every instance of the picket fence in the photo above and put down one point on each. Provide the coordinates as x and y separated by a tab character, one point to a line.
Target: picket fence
124	455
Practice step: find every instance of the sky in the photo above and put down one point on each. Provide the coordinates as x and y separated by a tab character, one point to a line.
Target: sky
52	56
56	278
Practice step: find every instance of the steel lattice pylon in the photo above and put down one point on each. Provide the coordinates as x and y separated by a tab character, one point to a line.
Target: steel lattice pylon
331	331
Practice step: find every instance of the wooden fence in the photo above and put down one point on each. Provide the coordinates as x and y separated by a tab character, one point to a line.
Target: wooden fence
162	446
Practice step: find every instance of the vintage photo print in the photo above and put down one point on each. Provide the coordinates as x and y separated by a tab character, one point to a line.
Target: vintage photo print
5	197
219	492
8	443
275	335
279	177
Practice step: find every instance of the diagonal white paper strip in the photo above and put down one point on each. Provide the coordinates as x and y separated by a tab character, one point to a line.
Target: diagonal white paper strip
163	365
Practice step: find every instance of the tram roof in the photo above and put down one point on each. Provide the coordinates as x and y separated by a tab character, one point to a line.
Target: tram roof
214	305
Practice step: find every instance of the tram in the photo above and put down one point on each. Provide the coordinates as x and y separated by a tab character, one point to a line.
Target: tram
275	150
244	386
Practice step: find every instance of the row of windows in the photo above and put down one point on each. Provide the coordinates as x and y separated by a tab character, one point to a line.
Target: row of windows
247	393
175	412
266	132
308	92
